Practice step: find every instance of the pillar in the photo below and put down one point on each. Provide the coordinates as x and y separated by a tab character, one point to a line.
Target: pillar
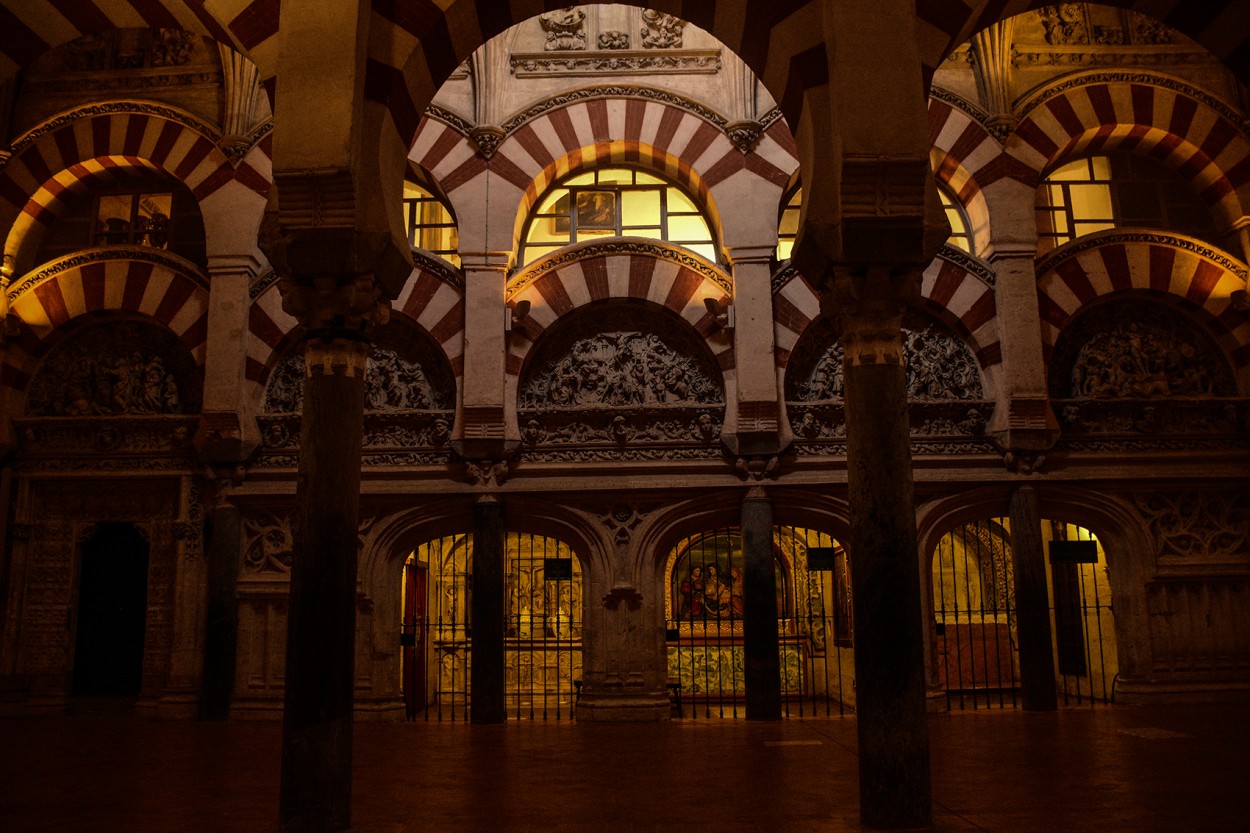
1037	661
486	674
762	671
225	545
890	709
755	361
315	793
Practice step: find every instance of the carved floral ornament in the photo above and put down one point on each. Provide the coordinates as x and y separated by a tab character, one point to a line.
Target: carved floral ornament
1190	524
565	29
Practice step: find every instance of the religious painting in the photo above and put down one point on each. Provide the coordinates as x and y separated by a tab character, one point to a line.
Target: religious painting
708	579
596	210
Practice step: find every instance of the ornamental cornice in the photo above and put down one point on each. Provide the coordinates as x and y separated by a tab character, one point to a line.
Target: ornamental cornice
1156	238
146	254
435	265
261	285
618	246
614	91
449	118
569	63
1028	102
110	108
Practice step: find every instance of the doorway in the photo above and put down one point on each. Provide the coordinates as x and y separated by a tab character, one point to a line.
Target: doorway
112	612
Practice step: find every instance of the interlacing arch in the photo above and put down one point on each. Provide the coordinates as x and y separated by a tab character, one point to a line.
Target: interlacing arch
963	151
1117	262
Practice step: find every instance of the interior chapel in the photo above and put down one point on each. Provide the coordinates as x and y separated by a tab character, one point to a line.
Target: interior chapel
473	362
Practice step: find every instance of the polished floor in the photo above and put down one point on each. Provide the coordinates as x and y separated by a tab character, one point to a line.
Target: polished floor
1105	770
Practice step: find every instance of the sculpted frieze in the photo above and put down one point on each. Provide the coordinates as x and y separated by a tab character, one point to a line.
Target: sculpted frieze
392	383
268	541
661	31
685	426
1137	350
565	29
619	369
939	367
1179	417
123	368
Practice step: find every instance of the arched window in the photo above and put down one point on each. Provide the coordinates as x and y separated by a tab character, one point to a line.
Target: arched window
961	233
615	202
788	225
1122	190
430	224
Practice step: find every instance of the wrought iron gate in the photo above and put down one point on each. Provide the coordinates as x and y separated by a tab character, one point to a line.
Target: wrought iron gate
704	610
542	643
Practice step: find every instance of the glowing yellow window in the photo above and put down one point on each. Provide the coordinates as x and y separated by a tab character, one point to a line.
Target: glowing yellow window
429	224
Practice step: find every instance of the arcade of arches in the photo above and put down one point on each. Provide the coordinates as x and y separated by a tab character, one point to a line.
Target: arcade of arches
609	365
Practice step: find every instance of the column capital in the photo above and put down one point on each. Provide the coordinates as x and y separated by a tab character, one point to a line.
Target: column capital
484	261
752	254
235	264
869	306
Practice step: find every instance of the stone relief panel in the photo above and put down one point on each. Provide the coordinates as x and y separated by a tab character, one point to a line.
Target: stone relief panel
118	368
565	29
1137	350
640	389
392	383
660	30
268	541
939	367
1197	524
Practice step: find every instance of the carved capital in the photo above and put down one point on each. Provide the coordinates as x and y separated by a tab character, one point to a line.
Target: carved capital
745	134
331	308
225	436
869	307
337	356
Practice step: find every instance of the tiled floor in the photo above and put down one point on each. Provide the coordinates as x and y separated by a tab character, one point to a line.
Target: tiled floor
1123	768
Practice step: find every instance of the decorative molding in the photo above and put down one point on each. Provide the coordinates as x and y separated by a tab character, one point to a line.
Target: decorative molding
661	30
1084	55
487	139
745	135
615	62
449	118
1166	418
565	29
262	283
1028	102
147	254
1104	238
71	443
971	264
614	40
1197	524
392	383
968	108
614	91
617	246
112	108
268	542
444	271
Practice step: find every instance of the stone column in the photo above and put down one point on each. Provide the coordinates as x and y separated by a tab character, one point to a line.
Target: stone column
762	670
995	74
321	626
890	709
1037	661
225	546
227	433
486	675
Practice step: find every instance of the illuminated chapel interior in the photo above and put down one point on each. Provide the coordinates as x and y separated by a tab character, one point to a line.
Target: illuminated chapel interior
587	302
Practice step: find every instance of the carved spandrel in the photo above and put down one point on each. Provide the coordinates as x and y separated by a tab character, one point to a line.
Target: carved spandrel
268	543
1197	524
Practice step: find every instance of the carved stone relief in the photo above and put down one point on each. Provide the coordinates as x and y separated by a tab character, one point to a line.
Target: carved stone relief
1063	23
1137	350
120	368
660	30
565	28
1198	524
392	383
939	367
268	541
619	369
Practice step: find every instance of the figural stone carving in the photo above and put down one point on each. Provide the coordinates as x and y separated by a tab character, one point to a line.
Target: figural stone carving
565	29
622	368
392	383
660	30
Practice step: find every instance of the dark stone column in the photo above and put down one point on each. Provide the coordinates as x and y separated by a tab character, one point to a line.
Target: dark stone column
486	675
1037	662
321	630
894	775
221	631
759	620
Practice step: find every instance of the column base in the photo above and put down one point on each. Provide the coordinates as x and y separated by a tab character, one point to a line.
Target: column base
628	708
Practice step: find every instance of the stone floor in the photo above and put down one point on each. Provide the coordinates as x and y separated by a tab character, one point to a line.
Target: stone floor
1122	768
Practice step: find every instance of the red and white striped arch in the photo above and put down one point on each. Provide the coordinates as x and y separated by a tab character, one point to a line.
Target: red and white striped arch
659	277
957	296
429	301
1107	264
961	149
1160	118
176	298
76	150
